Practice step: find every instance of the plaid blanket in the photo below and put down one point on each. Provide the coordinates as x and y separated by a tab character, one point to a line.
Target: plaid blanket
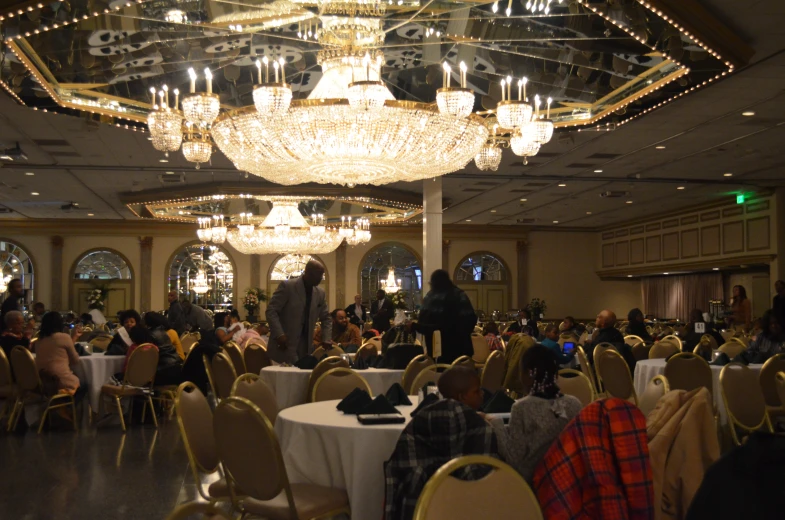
438	433
599	467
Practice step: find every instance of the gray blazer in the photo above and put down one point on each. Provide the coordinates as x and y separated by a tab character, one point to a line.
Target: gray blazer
285	314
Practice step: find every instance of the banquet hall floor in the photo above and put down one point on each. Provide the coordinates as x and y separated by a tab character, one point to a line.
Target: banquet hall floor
94	474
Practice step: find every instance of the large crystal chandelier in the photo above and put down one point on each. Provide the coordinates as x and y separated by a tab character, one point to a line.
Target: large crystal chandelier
391	285
199	284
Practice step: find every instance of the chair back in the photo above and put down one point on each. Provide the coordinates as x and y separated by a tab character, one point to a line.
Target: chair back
365	351
24	370
780	382
200	510
465	361
492	377
655	389
732	348
256	358
688	371
481	348
504	493
249	450
318	352
601	349
664	349
236	355
430	374
195	420
632	340
565	337
334	351
673	338
767	379
640	351
584	337
436	344
614	375
100	343
5	370
711	341
575	383
741	339
413	369
583	362
337	383
376	341
259	393
224	375
142	364
743	398
327	363
188	341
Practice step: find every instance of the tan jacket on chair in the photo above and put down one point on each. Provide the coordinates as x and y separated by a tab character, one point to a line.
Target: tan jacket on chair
682	445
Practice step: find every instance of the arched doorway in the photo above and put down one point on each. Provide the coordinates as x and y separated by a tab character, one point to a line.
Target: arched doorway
104	269
486	280
407	267
292	266
16	263
218	269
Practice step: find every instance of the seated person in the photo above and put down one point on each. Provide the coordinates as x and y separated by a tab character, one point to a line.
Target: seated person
769	341
491	334
56	355
344	333
222	322
14	333
568	326
551	341
692	337
38	313
233	328
525	324
258	334
462	384
605	332
538	418
637	325
209	345
165	337
122	341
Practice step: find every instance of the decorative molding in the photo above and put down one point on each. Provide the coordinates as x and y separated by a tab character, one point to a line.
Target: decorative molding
702	265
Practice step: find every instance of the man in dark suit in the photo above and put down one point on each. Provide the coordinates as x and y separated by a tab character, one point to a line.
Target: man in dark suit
382	311
357	312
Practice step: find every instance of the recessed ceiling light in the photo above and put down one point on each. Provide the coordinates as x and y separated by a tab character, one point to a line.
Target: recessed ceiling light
493	211
715	268
555	221
91	214
524	200
680	187
597	171
659	147
29	174
665	273
727	175
629	202
34	193
149	138
163	160
588	212
170	173
748	113
562	185
468	220
629	276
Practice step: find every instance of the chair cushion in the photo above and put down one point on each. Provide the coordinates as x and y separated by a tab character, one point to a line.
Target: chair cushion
310	501
120	390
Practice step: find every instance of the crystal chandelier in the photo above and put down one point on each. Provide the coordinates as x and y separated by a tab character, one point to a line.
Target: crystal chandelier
201	109
540	5
455	101
219	230
271	98
391	285
165	123
489	158
199	284
527	129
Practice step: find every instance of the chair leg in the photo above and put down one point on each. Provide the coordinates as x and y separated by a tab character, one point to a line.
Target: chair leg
120	411
152	410
19	409
144	410
43	419
73	412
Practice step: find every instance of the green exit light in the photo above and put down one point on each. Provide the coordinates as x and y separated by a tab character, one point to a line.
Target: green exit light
740	198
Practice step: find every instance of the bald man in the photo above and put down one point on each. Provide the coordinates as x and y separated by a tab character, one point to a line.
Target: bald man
606	332
292	312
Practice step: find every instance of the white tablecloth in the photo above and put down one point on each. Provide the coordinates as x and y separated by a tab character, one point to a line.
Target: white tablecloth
645	370
290	384
323	446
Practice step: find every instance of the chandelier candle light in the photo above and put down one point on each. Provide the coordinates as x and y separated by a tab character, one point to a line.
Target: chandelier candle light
271	98
455	101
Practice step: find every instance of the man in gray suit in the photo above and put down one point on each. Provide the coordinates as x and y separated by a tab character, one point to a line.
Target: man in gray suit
292	313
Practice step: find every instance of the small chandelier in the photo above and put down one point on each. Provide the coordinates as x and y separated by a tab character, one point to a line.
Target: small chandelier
489	158
540	5
512	114
542	129
197	147
199	284
201	109
391	285
219	230
165	123
271	98
455	101
361	233
367	94
205	231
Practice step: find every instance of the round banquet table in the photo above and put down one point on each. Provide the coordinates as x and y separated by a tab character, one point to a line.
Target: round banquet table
323	446
648	368
290	384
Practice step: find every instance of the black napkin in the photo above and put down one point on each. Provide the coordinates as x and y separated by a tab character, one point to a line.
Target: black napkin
363	363
721	360
81	350
429	400
379	406
742	358
306	363
397	395
499	403
354	402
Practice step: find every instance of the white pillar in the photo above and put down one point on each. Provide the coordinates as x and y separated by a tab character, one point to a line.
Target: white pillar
432	227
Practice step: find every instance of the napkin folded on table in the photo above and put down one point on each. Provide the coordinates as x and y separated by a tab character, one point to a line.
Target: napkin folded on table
742	358
429	400
307	363
721	360
354	402
397	395
363	363
499	403
380	405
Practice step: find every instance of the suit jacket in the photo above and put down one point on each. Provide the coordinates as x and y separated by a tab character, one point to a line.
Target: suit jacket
285	314
176	317
353	317
382	322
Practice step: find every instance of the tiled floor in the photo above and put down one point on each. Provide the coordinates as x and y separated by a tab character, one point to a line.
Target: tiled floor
94	474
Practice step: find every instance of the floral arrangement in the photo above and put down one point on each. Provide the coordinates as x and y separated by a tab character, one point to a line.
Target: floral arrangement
536	308
253	297
399	300
96	298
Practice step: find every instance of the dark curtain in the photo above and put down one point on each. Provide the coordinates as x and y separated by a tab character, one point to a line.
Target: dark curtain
676	296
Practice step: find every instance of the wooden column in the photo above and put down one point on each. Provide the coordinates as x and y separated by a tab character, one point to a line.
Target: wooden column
146	274
522	248
57	273
446	256
340	276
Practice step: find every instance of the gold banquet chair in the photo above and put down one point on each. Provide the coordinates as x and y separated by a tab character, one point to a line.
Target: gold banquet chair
655	389
365	351
256	358
430	374
376	341
504	493
195	421
199	510
664	348
614	376
223	375
575	383
744	402
233	350
688	371
481	349
492	377
732	348
7	388
250	453
780	382
337	383
464	361
632	340
100	343
674	339
137	381
413	369
188	340
323	366
259	393
640	351
583	362
768	383
334	351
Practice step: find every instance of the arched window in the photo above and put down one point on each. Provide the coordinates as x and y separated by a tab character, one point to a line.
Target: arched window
481	267
375	269
292	266
218	271
16	263
102	265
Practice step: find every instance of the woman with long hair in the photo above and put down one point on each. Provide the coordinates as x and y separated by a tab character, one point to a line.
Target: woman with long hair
741	307
56	354
537	419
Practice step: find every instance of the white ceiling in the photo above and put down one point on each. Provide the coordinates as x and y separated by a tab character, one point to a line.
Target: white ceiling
704	135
